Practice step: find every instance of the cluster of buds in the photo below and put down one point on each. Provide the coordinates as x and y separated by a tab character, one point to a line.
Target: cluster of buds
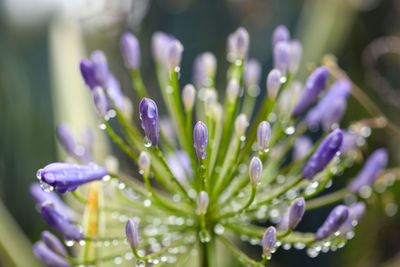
215	175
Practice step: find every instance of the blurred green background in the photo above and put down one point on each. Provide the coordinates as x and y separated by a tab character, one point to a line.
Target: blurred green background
41	42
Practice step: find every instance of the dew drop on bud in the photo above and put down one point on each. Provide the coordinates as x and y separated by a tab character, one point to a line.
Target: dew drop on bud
146	142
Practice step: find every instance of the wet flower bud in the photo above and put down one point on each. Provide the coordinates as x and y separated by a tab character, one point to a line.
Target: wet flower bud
252	73
132	233
188	97
53	243
131	51
202	202
296	212
273	83
87	72
100	101
174	54
241	124
316	82
263	136
49	257
204	69
100	67
333	222
269	241
68	176
356	211
281	33
149	116
325	152
255	170
302	147
232	90
200	139
144	163
282	57
59	223
371	170
295	52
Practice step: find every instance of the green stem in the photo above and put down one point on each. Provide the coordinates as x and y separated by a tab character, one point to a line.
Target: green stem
248	203
327	199
138	84
243	258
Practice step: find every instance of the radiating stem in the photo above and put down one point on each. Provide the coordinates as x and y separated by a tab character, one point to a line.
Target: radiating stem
248	203
138	84
327	199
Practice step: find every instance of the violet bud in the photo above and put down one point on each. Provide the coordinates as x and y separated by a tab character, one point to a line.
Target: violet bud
202	202
188	97
334	114
316	82
210	99
49	257
273	83
371	170
356	211
149	116
100	67
302	147
174	54
100	101
238	45
200	139
68	141
53	243
295	52
333	222
263	136
68	176
159	42
87	71
87	138
252	73
232	90
131	51
281	33
255	170
40	197
282	56
350	142
269	241
144	163
114	91
241	124
325	152
132	233
296	212
59	223
204	69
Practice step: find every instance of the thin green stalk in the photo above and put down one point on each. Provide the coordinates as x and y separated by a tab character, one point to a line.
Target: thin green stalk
138	84
327	199
248	203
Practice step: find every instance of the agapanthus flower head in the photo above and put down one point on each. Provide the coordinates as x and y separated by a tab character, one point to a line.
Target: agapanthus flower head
49	257
296	212
371	170
53	243
132	233
325	152
131	51
335	219
149	116
255	170
269	241
200	140
281	33
59	223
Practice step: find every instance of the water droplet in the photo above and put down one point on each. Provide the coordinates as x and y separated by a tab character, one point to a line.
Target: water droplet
243	138
219	229
391	209
286	246
147	203
102	126
82	243
140	263
290	130
117	260
128	255
46	187
106	178
39	174
204	236
283	79
69	243
169	89
146	142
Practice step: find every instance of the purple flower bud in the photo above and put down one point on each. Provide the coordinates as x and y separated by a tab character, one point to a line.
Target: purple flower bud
59	223
200	139
202	202
48	257
281	33
144	163
132	233
67	140
295	52
149	117
113	88
188	97
252	73
263	136
296	212
323	155
241	124
131	51
356	211
100	101
174	54
334	114
371	170
87	139
273	83
87	71
159	42
302	147
238	45
41	197
316	82
255	170
350	142
205	66
53	243
333	222
67	176
269	241
100	67
282	56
